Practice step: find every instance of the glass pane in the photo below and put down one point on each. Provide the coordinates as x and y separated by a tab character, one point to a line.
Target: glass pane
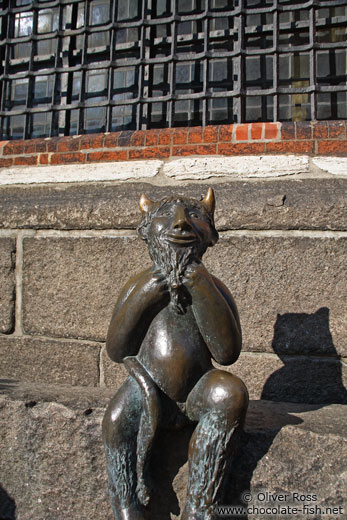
23	24
48	20
41	124
99	13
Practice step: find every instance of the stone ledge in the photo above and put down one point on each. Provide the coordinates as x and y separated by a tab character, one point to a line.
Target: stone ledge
64	362
245	166
52	464
119	171
311	203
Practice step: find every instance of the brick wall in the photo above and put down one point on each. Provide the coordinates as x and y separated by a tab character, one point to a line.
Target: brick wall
319	138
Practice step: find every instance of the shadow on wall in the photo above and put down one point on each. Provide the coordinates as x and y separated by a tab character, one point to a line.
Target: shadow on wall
305	380
7	506
304	384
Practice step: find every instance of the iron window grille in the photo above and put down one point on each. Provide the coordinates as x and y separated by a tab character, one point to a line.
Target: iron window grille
72	67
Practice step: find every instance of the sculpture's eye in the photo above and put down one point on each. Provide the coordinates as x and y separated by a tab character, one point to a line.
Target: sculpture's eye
196	214
165	213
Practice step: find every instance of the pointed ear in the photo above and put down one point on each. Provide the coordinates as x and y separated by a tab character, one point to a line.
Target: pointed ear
145	203
209	201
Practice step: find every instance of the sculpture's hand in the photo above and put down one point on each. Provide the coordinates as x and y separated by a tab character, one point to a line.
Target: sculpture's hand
215	314
154	286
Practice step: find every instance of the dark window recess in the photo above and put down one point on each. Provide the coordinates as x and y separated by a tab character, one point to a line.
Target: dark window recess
72	67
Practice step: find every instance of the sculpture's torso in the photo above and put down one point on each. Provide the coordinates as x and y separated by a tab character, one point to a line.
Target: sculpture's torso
174	352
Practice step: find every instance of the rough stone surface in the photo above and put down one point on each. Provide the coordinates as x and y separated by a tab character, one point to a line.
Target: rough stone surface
49	361
254	204
290	292
243	166
7	284
52	464
114	373
81	172
70	285
334	165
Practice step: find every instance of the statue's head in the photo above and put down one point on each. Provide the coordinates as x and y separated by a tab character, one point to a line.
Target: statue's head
177	231
179	222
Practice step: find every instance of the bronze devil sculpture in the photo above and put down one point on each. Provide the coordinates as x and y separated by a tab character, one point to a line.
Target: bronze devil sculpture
170	321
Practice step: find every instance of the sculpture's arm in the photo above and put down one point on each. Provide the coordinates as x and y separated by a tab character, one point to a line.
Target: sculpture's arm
139	301
216	315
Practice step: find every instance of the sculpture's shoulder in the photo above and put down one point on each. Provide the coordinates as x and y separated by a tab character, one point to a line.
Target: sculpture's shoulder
225	292
134	282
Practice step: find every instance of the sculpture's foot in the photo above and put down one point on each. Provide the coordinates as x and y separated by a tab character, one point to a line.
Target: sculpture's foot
130	513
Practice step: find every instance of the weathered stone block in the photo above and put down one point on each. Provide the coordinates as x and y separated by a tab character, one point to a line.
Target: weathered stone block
80	172
70	285
52	463
289	291
243	166
49	361
7	284
308	203
114	373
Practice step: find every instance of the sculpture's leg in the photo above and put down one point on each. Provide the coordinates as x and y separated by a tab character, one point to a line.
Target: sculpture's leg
219	403
120	428
149	422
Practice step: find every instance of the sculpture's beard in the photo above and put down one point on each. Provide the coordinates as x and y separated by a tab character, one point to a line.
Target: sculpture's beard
172	262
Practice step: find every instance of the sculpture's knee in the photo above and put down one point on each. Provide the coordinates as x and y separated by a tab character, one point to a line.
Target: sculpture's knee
221	392
122	417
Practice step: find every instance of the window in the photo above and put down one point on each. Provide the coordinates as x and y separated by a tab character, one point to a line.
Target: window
104	65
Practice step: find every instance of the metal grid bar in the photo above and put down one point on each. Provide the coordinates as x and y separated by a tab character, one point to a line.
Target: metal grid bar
111	64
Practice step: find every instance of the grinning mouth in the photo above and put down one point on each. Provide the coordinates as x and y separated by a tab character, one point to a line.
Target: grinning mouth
180	238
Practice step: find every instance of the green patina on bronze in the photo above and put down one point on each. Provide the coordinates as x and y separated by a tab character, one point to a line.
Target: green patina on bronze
170	321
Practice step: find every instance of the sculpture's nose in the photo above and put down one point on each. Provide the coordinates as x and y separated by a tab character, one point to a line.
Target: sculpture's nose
180	220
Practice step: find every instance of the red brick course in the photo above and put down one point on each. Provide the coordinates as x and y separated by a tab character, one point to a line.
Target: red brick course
44	158
304	130
318	137
290	147
257	131
155	152
67	158
241	148
199	149
119	155
180	136
332	147
242	132
4	163
29	160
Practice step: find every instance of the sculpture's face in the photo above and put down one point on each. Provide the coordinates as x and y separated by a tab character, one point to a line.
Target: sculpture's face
180	223
177	231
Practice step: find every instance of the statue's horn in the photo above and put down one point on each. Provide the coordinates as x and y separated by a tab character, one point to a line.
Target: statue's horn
145	203
209	201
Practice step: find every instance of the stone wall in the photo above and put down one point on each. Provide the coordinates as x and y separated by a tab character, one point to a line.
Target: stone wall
67	249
